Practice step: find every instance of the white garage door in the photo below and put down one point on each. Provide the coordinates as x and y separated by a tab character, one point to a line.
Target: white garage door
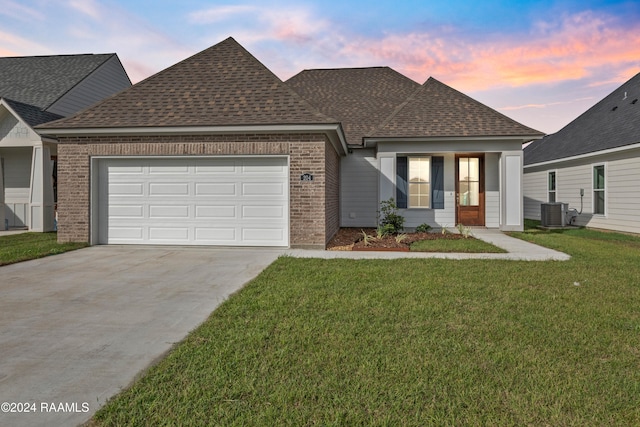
194	201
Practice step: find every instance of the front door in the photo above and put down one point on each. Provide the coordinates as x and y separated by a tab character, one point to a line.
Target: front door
470	189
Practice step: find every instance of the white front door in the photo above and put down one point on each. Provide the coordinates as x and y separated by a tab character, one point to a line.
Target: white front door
229	201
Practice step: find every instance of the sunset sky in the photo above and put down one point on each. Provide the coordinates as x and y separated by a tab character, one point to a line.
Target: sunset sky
542	63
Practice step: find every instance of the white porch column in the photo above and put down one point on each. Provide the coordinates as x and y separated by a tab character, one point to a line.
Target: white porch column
511	201
41	192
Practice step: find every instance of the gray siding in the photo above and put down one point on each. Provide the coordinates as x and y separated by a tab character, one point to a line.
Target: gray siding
622	196
359	189
535	193
110	78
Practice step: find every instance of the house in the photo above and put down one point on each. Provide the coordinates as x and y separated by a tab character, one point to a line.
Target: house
36	90
217	150
592	164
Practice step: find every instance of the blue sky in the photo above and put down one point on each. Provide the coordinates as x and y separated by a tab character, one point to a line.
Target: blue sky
540	62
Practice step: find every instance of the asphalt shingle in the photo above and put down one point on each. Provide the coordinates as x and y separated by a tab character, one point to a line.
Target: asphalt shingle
437	110
611	123
31	114
361	98
42	80
223	85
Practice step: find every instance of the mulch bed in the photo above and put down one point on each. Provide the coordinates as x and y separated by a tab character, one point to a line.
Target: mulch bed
349	239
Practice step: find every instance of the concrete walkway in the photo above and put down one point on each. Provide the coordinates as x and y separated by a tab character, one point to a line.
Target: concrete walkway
12	231
516	250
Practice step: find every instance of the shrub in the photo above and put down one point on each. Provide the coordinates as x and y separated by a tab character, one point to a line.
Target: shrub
423	228
389	218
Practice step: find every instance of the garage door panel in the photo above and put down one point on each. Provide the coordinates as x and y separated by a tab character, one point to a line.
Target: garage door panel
263	212
219	235
126	233
180	212
168	167
126	169
124	189
216	189
263	188
261	234
188	201
127	211
168	189
169	234
209	212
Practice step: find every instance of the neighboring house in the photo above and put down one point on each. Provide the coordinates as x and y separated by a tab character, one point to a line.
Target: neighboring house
36	90
592	164
216	150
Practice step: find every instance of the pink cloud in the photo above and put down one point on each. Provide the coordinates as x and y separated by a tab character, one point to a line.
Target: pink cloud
13	45
572	48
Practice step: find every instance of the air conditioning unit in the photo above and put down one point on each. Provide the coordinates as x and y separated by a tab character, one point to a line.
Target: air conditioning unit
553	214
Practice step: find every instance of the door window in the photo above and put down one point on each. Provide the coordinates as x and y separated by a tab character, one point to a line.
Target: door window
469	181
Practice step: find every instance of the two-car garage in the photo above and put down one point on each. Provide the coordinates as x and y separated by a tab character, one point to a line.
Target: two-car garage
227	201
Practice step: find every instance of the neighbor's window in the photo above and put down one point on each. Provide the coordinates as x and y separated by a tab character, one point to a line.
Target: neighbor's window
552	187
419	185
598	190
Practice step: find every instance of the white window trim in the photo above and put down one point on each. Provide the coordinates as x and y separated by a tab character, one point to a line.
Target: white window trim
554	171
409	157
593	190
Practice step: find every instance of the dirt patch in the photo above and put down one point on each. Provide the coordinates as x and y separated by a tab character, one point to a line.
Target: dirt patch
348	239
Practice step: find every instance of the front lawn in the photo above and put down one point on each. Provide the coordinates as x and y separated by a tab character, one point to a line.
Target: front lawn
413	342
25	246
469	245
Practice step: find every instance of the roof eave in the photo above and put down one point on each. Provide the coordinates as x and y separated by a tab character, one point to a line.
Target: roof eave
369	142
584	156
333	131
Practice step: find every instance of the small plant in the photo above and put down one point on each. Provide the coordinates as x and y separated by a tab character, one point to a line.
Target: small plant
423	228
389	218
401	237
464	230
385	230
444	230
366	239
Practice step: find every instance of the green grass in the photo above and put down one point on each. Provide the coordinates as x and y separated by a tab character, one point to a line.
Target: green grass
470	245
412	343
25	246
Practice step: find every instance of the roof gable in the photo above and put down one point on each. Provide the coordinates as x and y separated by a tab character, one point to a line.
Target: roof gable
611	123
31	115
223	85
15	130
42	80
437	110
361	98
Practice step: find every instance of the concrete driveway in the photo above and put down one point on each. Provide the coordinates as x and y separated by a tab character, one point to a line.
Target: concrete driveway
77	328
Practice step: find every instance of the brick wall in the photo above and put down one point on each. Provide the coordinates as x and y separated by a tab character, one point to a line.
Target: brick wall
309	223
332	192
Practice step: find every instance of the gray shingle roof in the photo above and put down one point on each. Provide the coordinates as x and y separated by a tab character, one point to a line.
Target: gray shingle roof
361	98
32	115
437	110
613	122
42	80
223	85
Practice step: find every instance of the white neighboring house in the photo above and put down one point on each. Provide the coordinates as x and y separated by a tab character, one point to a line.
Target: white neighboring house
593	164
36	90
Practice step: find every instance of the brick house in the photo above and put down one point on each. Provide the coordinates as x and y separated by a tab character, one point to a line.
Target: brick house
216	150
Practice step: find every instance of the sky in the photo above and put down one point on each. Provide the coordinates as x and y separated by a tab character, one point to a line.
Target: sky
542	63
